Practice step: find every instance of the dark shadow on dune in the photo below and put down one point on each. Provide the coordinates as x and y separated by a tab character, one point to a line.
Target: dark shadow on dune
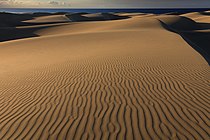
78	17
206	13
10	21
13	20
184	12
12	33
193	33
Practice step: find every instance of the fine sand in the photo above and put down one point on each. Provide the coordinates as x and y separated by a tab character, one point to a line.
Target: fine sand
116	76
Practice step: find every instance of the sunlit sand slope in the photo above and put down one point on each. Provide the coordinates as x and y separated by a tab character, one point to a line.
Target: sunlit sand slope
129	78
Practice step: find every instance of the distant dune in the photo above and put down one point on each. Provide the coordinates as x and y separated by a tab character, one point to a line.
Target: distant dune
104	76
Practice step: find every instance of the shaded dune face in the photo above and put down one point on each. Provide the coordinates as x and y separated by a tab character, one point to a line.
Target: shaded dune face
10	22
195	34
95	17
18	26
133	78
13	20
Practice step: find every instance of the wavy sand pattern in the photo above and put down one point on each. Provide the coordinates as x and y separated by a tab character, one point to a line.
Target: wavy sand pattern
122	76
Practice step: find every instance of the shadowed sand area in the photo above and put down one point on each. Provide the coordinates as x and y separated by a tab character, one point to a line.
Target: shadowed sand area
104	76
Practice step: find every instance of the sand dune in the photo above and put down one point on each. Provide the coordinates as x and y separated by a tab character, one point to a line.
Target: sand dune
196	34
199	17
13	20
94	17
49	19
18	26
131	78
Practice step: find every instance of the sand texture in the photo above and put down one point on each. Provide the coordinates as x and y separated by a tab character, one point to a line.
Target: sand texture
104	76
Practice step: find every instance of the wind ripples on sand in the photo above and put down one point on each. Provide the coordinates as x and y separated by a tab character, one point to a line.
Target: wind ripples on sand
116	98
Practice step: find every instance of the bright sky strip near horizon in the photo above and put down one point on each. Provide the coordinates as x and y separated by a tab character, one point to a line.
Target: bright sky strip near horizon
104	3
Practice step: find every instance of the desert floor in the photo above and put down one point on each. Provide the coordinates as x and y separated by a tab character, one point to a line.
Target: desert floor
104	76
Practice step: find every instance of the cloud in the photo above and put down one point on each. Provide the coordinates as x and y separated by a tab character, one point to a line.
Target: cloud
54	3
59	3
105	3
9	3
4	2
33	3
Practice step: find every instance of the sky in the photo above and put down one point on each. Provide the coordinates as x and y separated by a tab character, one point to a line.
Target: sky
104	3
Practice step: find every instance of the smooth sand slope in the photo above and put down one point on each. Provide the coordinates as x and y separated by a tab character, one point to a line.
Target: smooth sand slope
104	76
